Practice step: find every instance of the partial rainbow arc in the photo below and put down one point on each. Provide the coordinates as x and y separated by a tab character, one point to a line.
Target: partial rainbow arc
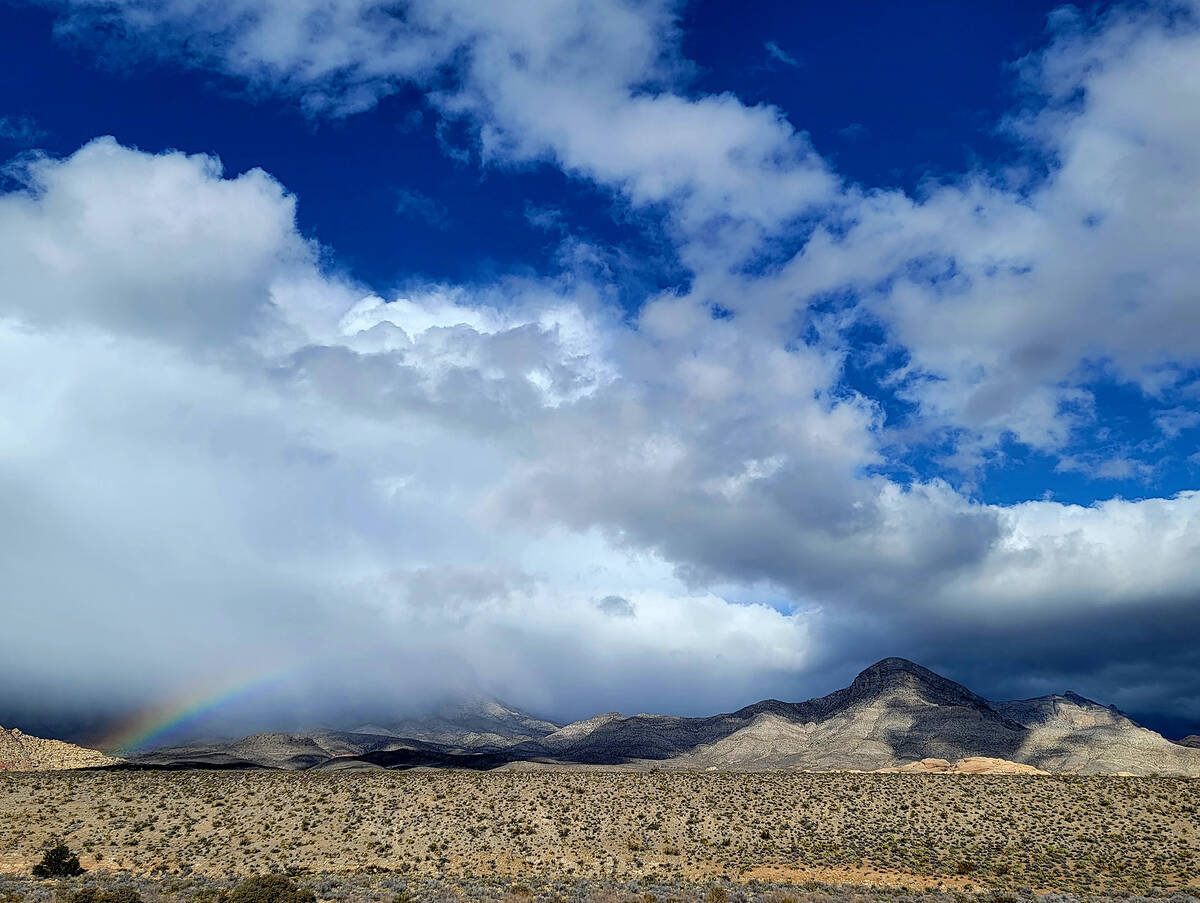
149	725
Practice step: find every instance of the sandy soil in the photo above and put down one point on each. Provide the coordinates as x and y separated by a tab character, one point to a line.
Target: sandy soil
956	831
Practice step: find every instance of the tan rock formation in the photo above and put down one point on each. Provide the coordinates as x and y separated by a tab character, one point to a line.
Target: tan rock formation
21	752
969	765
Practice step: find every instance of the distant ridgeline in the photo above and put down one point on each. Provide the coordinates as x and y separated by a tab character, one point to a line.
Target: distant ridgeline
896	715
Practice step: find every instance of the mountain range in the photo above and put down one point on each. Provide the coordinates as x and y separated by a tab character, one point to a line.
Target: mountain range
894	716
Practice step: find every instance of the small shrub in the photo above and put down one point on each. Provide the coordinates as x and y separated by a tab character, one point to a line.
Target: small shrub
271	889
93	894
121	895
717	895
58	862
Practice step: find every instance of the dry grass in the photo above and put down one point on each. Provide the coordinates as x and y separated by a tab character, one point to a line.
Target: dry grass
1083	835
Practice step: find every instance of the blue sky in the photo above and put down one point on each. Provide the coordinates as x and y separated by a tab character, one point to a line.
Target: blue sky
886	113
802	325
407	215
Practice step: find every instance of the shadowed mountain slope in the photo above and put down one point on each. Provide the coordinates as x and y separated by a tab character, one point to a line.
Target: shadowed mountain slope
470	725
893	711
292	752
1069	733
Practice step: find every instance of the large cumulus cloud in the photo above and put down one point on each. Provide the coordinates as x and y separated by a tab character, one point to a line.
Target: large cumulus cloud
221	449
218	458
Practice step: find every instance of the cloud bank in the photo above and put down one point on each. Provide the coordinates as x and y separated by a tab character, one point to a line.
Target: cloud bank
220	455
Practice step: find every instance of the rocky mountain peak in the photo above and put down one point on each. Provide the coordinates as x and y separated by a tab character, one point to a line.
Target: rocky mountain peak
900	674
889	668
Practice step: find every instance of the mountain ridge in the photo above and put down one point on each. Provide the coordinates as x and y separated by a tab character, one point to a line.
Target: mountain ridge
473	724
893	716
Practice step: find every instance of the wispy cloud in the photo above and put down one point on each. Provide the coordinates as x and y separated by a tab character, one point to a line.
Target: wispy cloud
548	219
417	205
23	131
1175	421
779	55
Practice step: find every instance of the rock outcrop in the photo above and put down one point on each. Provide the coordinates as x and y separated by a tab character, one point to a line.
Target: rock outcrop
21	752
969	765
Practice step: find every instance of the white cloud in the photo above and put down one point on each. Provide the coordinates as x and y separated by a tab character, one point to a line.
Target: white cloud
1105	556
154	246
588	85
392	476
270	478
1012	298
1175	421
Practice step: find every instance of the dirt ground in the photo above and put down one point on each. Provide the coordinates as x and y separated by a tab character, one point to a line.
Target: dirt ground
953	832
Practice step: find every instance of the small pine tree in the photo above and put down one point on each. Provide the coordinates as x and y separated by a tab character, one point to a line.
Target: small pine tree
58	862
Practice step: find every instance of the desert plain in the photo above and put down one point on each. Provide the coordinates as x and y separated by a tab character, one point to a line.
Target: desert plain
995	834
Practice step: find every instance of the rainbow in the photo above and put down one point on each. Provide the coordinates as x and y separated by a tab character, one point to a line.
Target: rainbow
154	722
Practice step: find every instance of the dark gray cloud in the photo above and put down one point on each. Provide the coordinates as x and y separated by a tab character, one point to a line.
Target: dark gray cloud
617	606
